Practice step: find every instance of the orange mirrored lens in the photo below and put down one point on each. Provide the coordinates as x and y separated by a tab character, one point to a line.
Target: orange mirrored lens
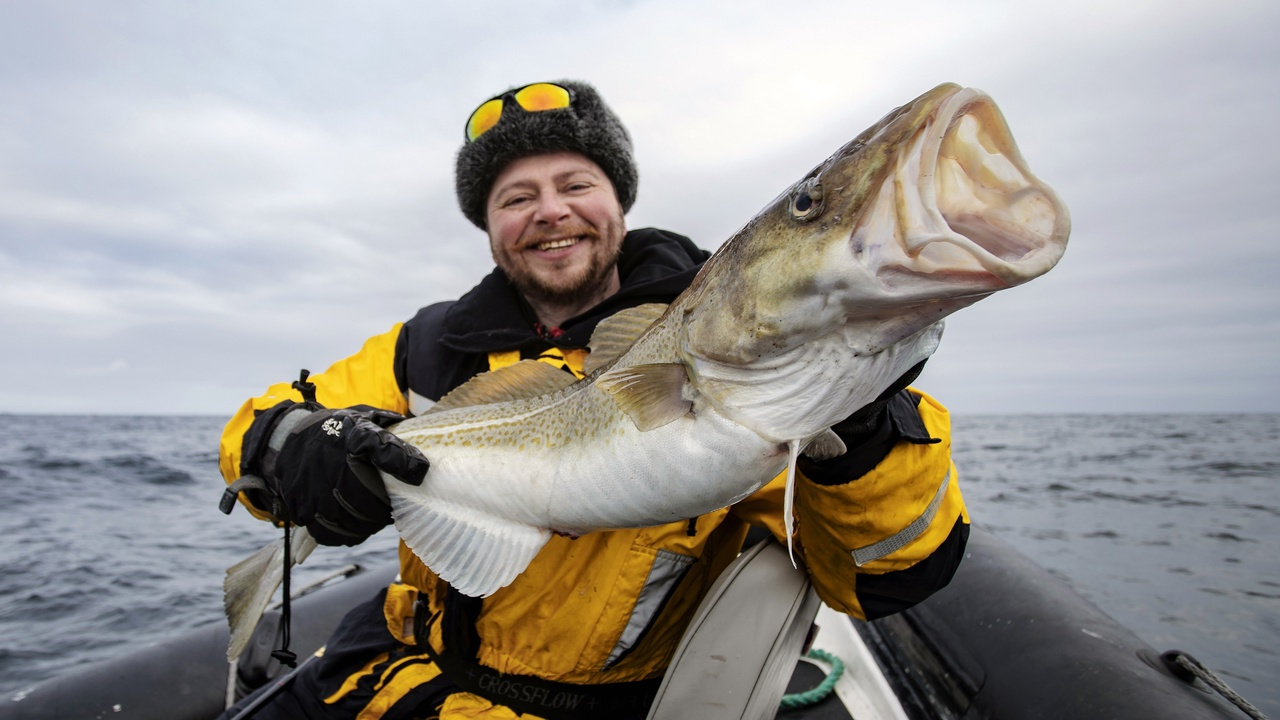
533	98
484	118
542	96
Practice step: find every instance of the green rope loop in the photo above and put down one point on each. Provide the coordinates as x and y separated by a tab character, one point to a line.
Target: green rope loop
820	693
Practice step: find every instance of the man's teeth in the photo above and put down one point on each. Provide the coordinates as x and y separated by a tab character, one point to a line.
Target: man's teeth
557	244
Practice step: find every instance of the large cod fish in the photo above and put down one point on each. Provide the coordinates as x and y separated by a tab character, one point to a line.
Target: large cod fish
813	309
809	312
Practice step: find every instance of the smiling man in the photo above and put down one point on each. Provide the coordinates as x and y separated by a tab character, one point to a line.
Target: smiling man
588	629
555	229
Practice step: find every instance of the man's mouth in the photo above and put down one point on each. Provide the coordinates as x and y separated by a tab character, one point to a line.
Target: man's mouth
560	244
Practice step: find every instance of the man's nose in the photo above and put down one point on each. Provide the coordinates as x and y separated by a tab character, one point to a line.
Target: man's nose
551	208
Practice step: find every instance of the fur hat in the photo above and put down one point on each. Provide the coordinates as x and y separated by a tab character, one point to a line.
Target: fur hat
587	126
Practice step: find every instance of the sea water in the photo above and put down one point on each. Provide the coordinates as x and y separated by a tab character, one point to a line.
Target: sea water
110	537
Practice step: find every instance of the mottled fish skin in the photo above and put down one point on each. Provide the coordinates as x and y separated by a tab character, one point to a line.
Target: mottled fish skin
810	311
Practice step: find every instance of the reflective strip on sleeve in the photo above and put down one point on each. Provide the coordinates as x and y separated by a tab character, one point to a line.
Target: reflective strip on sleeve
905	536
286	426
666	573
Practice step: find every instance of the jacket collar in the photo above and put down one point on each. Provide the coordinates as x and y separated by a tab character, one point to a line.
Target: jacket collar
654	266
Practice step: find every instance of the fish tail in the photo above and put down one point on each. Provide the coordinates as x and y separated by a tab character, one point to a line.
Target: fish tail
250	584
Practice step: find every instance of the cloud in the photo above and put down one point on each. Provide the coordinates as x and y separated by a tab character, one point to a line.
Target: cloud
206	197
114	366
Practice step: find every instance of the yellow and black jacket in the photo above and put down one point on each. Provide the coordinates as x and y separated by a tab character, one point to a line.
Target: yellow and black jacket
610	606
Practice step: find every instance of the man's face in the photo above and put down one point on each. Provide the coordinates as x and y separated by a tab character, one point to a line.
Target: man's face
556	228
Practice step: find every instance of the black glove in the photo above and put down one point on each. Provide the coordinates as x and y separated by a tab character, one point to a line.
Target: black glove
321	467
870	433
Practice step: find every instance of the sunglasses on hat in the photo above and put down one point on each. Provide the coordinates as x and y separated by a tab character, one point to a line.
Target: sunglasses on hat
531	98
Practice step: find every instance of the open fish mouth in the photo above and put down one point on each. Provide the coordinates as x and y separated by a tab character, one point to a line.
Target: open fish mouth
963	203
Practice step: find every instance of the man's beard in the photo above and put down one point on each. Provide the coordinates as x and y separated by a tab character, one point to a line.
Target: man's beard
571	291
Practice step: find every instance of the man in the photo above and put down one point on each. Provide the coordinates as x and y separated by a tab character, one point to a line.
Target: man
547	171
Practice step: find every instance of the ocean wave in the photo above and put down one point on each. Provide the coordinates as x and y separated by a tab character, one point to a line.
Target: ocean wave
55	463
1232	469
148	469
1161	499
1227	536
1136	512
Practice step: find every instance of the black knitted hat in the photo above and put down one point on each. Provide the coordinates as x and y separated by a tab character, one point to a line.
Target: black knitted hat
587	126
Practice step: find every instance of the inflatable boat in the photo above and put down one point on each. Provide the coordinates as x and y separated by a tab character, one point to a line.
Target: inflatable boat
1005	640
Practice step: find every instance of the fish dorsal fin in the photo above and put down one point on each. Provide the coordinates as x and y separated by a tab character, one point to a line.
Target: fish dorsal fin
525	379
825	446
651	395
618	332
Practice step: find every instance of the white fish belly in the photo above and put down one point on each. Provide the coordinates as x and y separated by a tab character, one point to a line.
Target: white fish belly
618	478
486	508
681	470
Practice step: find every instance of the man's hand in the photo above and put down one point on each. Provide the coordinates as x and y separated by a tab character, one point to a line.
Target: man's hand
868	435
864	422
323	467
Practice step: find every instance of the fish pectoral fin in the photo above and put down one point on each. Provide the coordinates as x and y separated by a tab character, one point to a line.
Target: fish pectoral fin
651	395
826	445
525	379
250	584
618	332
476	552
789	501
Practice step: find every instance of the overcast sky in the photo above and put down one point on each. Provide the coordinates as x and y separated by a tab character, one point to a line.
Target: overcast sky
198	199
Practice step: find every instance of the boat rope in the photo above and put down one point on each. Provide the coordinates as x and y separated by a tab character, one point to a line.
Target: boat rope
1187	669
809	697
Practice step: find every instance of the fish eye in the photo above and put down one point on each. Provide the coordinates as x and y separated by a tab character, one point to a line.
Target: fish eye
806	203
